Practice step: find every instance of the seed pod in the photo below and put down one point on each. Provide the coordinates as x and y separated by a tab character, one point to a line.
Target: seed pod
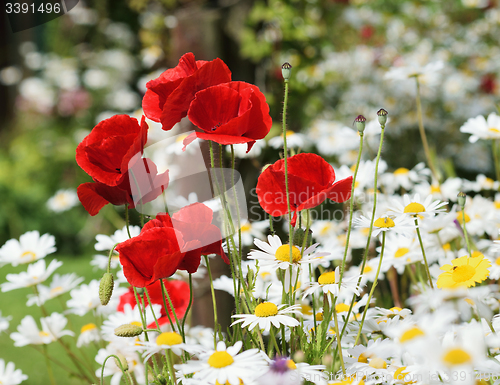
106	288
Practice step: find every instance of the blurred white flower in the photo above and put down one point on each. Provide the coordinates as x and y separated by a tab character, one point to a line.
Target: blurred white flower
63	200
30	247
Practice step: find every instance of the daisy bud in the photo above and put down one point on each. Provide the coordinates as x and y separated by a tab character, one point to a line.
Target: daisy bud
128	330
161	379
106	288
360	123
299	235
250	276
461	199
286	70
327	360
299	356
123	362
382	116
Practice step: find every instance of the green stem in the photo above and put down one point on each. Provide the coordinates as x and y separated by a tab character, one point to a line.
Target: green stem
351	208
188	307
127	224
173	309
372	289
273	339
496	148
214	303
466	236
49	366
423	254
422	133
338	337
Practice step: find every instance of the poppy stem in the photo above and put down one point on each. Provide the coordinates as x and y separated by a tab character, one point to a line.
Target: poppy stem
372	289
290	227
365	255
337	335
214	303
496	150
351	208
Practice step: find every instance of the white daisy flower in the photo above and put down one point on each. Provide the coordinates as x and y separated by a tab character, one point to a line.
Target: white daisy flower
63	200
37	273
414	70
328	283
9	375
60	284
30	247
225	365
126	353
481	128
293	140
283	370
88	333
4	322
268	313
276	255
168	341
417	207
52	329
240	149
400	225
252	230
86	297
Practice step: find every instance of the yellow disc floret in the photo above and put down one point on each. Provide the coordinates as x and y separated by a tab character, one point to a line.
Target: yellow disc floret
327	278
410	334
414	207
456	356
266	309
384	222
88	327
220	359
283	254
168	338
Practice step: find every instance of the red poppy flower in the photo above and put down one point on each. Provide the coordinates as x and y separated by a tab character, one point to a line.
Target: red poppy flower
166	244
152	255
168	97
310	180
230	113
201	236
178	292
147	185
107	152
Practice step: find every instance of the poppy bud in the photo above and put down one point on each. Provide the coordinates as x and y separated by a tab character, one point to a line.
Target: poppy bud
360	123
382	116
286	70
461	199
128	330
106	288
299	235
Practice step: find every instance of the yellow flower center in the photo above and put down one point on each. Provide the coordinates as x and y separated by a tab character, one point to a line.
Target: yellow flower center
463	273
43	334
341	307
266	309
435	189
395	309
401	251
180	138
289	133
494	130
327	278
378	363
283	254
246	227
401	171
366	270
460	218
291	365
456	356
265	274
497	261
220	359
136	323
55	290
319	316
411	334
306	309
497	204
363	357
225	383
168	338
384	222
414	207
476	254
29	255
446	247
400	374
88	327
324	230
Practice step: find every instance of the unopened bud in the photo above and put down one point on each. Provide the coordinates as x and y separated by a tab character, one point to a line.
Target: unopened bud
382	116
161	379
360	123
299	356
299	235
461	199
128	330
265	167
327	360
106	288
286	70
123	362
250	276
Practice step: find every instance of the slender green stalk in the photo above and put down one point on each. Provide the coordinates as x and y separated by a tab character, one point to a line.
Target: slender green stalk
351	208
496	149
127	224
170	364
188	307
338	337
372	289
152	311
367	248
422	133
214	303
273	339
466	236
423	254
165	305
165	293
49	366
